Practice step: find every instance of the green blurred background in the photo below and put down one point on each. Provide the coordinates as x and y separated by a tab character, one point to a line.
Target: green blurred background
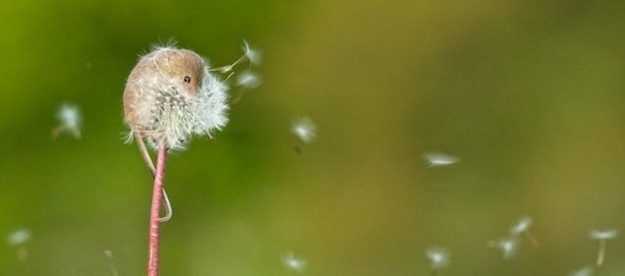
529	94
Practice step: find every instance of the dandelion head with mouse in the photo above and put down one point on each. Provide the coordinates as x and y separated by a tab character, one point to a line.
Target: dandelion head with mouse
171	96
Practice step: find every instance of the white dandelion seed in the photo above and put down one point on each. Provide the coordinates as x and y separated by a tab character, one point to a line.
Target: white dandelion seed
436	159
602	236
522	227
248	79
70	120
586	271
305	129
508	246
251	54
294	263
18	237
438	256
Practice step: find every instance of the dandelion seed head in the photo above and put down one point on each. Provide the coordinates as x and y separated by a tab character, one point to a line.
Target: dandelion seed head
603	234
440	159
438	256
294	263
171	96
18	237
522	225
305	129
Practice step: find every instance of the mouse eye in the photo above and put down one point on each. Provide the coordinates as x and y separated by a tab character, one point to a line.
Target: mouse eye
187	79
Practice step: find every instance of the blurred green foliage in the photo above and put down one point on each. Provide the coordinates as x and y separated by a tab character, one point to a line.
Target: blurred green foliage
528	94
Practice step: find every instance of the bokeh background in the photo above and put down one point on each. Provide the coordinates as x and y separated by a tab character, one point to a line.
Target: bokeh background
530	95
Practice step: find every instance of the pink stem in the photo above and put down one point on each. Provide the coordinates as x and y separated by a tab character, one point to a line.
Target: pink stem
155	212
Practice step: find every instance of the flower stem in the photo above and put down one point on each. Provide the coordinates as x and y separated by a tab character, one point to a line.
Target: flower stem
148	162
157	194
